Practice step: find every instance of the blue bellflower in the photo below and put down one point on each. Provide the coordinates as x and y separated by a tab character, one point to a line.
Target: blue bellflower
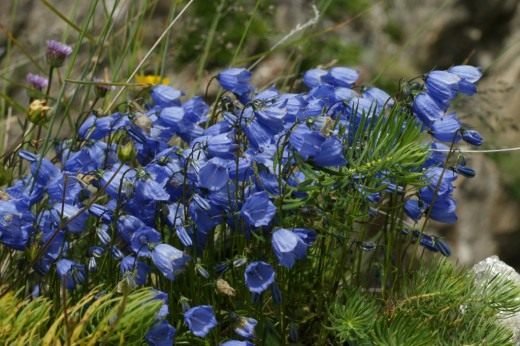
469	76
166	96
341	77
200	320
259	276
169	260
161	334
258	210
70	272
246	327
426	109
288	247
442	86
235	80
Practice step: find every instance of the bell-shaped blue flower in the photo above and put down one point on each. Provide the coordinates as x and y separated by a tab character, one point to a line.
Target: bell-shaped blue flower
414	208
379	96
143	240
166	96
70	272
259	276
330	154
246	327
341	77
305	141
426	109
446	128
288	247
150	190
169	260
444	210
15	225
442	86
313	77
137	269
236	80
213	175
258	210
161	334
200	320
469	76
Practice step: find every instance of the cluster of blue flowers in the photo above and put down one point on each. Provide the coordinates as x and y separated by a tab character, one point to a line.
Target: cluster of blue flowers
149	189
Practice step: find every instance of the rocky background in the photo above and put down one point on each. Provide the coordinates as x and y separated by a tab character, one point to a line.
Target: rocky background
386	40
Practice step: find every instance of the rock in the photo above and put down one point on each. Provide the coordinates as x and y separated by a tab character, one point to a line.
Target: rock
490	267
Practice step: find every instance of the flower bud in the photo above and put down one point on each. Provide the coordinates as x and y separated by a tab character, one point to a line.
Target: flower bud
37	113
126	152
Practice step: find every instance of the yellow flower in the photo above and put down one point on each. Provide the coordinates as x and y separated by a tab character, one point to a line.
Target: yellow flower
37	113
151	79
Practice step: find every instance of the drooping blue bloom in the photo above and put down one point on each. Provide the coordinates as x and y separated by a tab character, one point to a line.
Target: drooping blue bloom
88	158
267	181
127	225
195	110
73	217
213	175
330	154
440	180
258	135
236	80
246	327
70	272
437	156
472	137
442	86
288	247
341	77
379	96
169	260
42	170
64	188
444	210
305	141
150	190
271	117
200	320
313	77
118	179
137	269
222	145
161	334
166	96
446	128
258	210
469	75
259	276
426	109
143	240
15	225
414	208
